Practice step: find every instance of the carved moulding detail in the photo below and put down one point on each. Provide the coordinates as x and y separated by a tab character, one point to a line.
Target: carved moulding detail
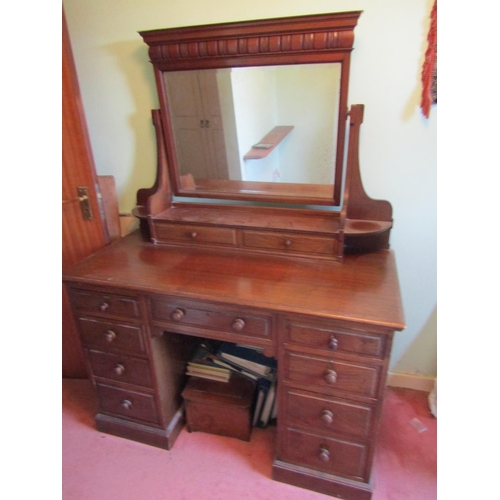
258	45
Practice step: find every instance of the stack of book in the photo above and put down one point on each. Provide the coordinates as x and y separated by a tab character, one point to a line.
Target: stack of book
218	362
203	365
251	362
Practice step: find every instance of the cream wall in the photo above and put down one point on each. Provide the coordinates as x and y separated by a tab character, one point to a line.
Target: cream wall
398	146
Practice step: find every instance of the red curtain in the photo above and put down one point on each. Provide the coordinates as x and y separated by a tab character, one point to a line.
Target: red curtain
429	70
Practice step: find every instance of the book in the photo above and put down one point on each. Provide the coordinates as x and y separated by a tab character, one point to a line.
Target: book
250	359
265	415
262	389
196	372
212	367
235	369
203	357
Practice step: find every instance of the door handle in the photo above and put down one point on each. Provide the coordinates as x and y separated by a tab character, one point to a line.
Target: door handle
84	199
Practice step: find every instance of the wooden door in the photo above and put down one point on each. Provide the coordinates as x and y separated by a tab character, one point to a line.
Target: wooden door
80	237
197	124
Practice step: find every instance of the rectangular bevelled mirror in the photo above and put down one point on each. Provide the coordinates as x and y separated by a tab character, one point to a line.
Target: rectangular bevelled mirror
255	111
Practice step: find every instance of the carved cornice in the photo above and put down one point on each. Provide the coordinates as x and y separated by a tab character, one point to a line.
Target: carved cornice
220	44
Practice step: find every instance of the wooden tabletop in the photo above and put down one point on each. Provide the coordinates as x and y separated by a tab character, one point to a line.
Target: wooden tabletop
364	288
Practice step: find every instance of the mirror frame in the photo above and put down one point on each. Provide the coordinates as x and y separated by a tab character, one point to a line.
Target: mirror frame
320	38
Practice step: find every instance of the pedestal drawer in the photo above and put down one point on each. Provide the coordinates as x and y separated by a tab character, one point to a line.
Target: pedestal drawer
334	456
328	373
103	303
130	404
111	336
327	415
336	340
120	368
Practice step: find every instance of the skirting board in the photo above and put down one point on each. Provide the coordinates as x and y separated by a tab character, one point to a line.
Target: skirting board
410	381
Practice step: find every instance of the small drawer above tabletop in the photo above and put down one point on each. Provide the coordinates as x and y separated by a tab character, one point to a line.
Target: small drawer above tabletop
291	243
194	234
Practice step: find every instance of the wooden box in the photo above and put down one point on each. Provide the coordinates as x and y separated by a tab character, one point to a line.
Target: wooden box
222	408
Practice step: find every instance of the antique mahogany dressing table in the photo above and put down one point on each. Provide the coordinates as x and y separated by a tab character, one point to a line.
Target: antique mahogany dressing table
300	268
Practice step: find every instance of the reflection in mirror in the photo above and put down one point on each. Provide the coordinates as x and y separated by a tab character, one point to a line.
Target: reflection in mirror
251	125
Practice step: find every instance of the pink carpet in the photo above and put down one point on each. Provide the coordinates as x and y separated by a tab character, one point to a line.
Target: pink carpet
202	466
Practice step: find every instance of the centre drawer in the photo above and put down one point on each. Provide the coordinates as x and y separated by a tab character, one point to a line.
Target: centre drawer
210	317
327	373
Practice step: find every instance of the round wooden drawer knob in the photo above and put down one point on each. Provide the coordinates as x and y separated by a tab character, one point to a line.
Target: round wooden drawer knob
238	324
104	306
110	335
330	376
119	369
194	234
177	315
126	404
333	343
327	417
288	243
324	454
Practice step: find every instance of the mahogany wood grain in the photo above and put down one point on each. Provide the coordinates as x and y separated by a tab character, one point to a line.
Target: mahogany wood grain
219	407
107	188
112	336
362	290
130	404
121	368
327	415
357	204
332	455
336	341
332	376
312	194
293	40
305	221
80	237
165	291
239	273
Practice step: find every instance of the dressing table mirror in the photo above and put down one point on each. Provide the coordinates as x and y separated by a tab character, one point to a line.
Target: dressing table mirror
254	115
246	237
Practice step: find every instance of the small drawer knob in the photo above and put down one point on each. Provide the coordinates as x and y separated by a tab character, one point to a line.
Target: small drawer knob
194	234
177	315
119	369
126	404
324	454
288	243
103	306
238	324
110	335
330	376
327	417
333	343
